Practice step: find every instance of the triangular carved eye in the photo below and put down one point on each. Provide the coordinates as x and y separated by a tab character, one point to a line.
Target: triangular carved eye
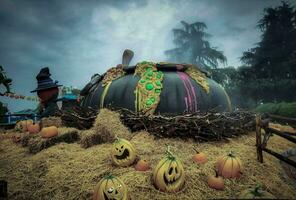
170	171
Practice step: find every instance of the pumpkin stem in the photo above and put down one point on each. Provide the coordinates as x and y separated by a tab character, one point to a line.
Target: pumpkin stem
170	154
257	188
195	150
231	154
109	176
116	137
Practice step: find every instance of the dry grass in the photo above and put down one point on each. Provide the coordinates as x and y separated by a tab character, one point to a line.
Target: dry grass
67	171
51	121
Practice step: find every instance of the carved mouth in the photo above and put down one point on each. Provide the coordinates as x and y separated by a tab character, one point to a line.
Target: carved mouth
124	155
107	198
167	182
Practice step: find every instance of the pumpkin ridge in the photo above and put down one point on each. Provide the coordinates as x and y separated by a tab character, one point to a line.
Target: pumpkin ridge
240	166
105	91
159	169
224	165
113	182
232	174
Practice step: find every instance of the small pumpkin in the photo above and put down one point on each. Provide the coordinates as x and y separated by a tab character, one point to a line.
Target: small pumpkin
110	187
34	128
23	125
16	138
216	182
169	175
199	157
229	166
142	165
48	132
255	193
123	152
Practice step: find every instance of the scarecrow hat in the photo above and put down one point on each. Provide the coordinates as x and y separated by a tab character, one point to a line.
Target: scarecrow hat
44	81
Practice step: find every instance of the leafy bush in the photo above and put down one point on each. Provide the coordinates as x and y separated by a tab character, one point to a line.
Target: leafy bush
283	109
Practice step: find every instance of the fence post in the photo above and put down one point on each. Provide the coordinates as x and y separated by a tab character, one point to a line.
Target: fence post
258	139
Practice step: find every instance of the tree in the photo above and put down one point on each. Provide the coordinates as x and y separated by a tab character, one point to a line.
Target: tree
192	46
275	55
271	73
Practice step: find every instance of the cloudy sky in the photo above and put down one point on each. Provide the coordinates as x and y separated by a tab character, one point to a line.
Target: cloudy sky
77	39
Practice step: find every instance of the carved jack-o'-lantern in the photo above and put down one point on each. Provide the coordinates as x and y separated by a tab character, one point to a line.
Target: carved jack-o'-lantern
23	125
169	175
123	152
111	187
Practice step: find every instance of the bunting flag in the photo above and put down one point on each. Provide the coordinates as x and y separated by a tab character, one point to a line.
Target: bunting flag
21	97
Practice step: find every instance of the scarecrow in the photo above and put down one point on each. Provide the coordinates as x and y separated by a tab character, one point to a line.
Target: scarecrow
4	80
47	91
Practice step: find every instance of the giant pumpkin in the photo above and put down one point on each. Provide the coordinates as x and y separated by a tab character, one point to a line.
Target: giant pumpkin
157	88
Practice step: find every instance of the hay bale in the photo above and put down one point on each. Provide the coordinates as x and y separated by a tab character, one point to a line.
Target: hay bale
67	135
110	122
51	121
95	136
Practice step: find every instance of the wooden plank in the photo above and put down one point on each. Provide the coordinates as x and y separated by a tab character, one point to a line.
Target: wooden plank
258	139
280	157
292	121
284	135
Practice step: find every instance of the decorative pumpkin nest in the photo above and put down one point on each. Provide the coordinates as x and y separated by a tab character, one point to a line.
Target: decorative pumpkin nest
199	126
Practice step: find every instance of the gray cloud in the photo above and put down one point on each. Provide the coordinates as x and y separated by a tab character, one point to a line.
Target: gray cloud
78	38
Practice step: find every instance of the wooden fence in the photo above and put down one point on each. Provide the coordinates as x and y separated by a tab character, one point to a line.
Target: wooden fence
262	122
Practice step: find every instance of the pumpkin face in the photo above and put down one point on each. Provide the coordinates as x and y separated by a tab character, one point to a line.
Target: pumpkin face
23	125
169	175
33	128
142	165
229	166
158	88
255	193
216	182
49	132
111	187
123	152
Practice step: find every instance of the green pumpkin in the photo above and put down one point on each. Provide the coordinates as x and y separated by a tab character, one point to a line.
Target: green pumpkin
158	88
255	193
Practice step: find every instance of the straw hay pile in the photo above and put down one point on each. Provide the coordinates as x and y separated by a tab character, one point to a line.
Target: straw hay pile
68	171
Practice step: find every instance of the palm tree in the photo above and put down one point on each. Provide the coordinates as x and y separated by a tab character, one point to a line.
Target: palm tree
193	48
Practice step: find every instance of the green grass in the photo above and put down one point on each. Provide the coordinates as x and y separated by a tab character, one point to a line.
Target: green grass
283	109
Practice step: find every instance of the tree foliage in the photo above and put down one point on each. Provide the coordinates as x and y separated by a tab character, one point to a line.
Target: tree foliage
270	71
192	46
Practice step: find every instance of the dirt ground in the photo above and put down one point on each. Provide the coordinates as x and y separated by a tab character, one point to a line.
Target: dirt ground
68	171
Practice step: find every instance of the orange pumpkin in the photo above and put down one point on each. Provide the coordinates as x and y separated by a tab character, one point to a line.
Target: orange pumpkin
142	165
34	128
199	157
229	166
49	132
216	182
16	138
23	125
